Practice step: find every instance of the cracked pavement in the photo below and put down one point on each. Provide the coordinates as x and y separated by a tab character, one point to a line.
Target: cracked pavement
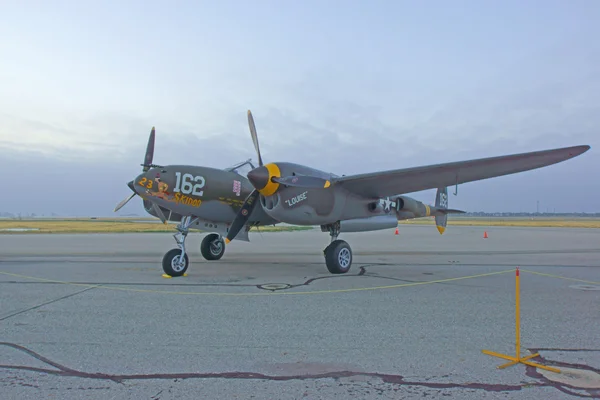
90	316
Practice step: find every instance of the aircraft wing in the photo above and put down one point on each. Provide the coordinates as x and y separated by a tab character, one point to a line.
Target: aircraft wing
408	180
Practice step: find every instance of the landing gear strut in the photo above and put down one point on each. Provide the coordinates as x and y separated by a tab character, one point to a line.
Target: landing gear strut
176	261
338	255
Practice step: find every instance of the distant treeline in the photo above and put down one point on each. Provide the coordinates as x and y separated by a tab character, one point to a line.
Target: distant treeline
527	214
468	214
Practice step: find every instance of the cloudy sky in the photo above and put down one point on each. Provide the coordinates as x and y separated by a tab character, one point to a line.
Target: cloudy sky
345	86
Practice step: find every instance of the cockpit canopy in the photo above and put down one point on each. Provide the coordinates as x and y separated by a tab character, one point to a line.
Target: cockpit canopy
242	168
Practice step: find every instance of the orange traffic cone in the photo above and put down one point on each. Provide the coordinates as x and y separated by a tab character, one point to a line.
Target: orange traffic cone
485	235
396	233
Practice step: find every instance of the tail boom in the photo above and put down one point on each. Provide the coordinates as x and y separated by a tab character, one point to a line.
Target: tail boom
408	208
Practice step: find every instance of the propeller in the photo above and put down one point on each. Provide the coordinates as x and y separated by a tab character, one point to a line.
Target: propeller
145	167
266	180
250	202
149	152
159	212
263	175
126	200
254	137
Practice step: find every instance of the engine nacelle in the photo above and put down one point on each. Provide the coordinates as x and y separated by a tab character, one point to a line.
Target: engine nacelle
375	207
409	204
402	215
405	207
374	223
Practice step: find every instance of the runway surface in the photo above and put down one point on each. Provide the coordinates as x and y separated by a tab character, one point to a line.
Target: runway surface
90	316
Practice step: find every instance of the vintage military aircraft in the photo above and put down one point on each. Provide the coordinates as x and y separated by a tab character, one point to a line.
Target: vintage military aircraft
208	199
199	197
301	195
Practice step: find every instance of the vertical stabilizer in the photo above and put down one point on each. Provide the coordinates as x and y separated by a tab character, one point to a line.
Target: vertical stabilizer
441	203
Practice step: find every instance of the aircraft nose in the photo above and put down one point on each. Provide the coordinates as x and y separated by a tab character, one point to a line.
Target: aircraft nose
259	177
138	181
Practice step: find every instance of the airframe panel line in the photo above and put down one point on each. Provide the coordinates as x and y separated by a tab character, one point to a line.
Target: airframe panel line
560	277
262	293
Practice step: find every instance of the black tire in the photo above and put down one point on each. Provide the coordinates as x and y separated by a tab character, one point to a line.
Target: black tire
212	247
168	263
338	257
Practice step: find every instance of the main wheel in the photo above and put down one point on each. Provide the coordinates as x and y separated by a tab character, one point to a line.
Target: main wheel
338	257
171	264
212	247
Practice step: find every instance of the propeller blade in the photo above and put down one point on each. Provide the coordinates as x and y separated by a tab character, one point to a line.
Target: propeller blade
148	157
159	212
149	151
254	137
243	215
124	201
304	181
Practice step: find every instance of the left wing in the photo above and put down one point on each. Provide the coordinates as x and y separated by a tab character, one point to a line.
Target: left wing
408	180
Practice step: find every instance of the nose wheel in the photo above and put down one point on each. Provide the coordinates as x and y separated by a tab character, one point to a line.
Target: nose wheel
176	261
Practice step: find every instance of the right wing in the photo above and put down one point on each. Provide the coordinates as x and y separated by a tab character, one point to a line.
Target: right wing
408	180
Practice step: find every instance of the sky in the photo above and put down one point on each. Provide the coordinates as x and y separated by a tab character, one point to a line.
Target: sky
343	86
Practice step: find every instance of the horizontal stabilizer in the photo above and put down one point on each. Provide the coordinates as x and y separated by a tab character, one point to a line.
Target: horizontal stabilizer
450	211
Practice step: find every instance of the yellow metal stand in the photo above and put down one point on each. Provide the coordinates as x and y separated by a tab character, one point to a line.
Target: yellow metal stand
517	358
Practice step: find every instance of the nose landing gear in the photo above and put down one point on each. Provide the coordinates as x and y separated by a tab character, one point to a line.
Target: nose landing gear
176	261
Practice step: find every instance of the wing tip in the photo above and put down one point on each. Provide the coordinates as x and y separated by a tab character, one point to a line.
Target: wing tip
579	149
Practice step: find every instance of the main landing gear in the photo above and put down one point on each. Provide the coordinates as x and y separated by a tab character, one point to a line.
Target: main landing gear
338	255
176	261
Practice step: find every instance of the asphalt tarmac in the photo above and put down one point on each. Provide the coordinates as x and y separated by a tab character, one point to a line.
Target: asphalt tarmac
90	316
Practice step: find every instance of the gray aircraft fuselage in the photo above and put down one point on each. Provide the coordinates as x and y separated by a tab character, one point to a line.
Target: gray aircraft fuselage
210	194
215	196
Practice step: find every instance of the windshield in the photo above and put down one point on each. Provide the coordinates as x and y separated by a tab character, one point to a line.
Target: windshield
242	168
